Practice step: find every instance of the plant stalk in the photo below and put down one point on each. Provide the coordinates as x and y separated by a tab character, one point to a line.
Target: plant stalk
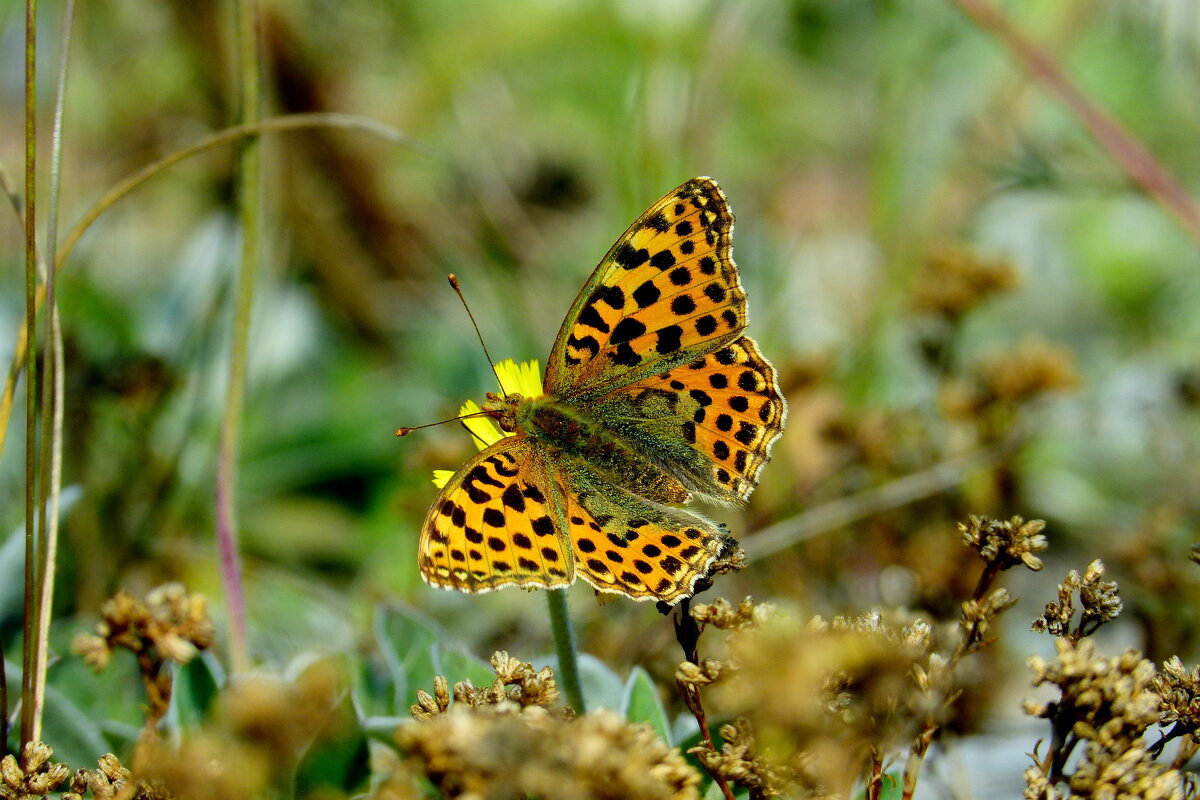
248	187
30	607
564	648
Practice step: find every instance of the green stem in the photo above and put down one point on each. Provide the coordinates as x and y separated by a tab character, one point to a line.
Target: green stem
564	647
30	609
52	396
248	206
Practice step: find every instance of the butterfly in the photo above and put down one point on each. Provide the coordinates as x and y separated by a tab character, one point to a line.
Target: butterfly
652	396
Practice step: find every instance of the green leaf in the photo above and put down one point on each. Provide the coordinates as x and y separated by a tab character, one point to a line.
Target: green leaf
641	703
406	640
602	688
338	761
196	686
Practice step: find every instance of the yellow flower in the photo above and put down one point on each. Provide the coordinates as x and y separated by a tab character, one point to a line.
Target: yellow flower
524	379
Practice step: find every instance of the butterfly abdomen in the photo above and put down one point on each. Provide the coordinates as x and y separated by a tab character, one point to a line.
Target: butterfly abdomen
574	436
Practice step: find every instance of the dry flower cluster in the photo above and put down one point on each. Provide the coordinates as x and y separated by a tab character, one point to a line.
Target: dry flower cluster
262	726
508	741
1098	601
168	626
34	776
955	280
1106	706
824	705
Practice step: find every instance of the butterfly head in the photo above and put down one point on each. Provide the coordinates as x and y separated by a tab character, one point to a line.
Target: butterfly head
503	409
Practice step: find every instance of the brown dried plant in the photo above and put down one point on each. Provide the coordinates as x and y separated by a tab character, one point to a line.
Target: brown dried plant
511	740
822	705
169	625
1106	706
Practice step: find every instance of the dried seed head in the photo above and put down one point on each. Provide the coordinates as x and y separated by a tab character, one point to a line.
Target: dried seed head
486	752
1005	544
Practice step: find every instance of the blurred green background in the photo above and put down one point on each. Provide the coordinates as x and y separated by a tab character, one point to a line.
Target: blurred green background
942	263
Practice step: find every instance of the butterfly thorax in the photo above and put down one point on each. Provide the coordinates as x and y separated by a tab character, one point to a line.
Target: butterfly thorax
568	433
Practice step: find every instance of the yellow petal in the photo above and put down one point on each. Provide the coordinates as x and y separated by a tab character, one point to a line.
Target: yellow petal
524	379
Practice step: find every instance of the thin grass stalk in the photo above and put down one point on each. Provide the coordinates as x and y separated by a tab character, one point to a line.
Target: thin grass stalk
52	401
121	189
564	648
30	608
248	189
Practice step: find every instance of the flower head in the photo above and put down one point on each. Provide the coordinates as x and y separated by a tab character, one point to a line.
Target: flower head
524	379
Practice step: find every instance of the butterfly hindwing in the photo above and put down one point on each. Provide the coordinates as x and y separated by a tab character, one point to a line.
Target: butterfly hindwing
714	419
496	523
666	292
626	544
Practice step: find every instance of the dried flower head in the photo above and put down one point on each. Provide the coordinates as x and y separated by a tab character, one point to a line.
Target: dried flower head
1005	544
1030	369
33	775
170	623
830	692
721	614
498	751
207	766
283	717
740	763
516	683
955	280
1179	689
1098	598
1107	704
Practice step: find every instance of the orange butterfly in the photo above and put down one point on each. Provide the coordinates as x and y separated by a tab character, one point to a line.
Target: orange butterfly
652	395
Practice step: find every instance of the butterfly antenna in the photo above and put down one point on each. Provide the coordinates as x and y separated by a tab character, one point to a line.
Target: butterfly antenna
406	431
458	291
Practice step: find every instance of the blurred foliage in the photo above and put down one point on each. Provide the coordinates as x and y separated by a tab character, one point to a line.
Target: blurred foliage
939	260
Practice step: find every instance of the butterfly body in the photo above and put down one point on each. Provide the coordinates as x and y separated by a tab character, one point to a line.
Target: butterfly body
652	395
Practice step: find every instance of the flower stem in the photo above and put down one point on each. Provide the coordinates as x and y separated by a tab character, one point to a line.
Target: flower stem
564	647
248	212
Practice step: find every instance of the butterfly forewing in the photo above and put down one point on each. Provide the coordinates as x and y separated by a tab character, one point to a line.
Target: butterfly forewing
666	292
495	523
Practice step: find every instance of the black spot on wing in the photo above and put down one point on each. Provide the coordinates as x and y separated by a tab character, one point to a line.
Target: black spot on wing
592	319
646	295
627	330
663	259
683	305
588	343
669	339
625	356
629	258
513	498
